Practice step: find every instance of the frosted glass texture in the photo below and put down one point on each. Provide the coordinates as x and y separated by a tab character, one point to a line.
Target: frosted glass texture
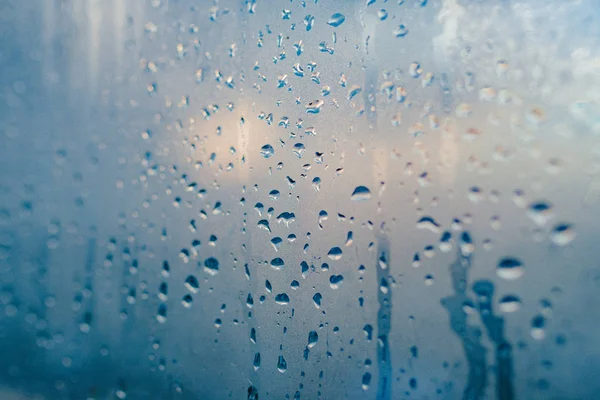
269	199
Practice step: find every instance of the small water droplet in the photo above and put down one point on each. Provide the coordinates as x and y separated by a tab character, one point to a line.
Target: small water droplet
309	21
187	300
317	299
314	107
562	234
429	280
281	364
161	315
400	31
538	324
354	90
540	212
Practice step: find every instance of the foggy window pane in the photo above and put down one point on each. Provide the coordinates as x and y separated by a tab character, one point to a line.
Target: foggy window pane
275	199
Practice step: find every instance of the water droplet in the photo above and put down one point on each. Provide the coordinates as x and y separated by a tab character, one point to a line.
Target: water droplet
538	324
446	242
264	224
336	20
540	212
267	151
256	364
323	216
466	244
382	14
335	281
282	299
276	242
187	300
281	364
287	218
361	193
335	253
316	184
313	338
366	381
211	265
309	21
475	194
314	107
191	284
509	303
317	299
252	391
299	149
384	286
400	31
354	90
510	268
368	331
274	194
161	314
277	263
298	71
429	280
562	234
428	223
414	70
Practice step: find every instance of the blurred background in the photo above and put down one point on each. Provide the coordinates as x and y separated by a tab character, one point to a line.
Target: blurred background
244	199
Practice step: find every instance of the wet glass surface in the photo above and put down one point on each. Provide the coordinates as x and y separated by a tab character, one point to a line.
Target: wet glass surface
251	199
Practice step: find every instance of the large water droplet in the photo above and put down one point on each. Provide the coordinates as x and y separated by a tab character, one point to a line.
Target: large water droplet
317	299
510	268
361	193
282	298
267	151
354	90
335	253
366	381
191	284
313	338
314	107
428	223
161	314
211	265
509	303
277	263
335	281
281	364
336	20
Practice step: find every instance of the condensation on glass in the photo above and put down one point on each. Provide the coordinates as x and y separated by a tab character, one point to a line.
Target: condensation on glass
252	199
